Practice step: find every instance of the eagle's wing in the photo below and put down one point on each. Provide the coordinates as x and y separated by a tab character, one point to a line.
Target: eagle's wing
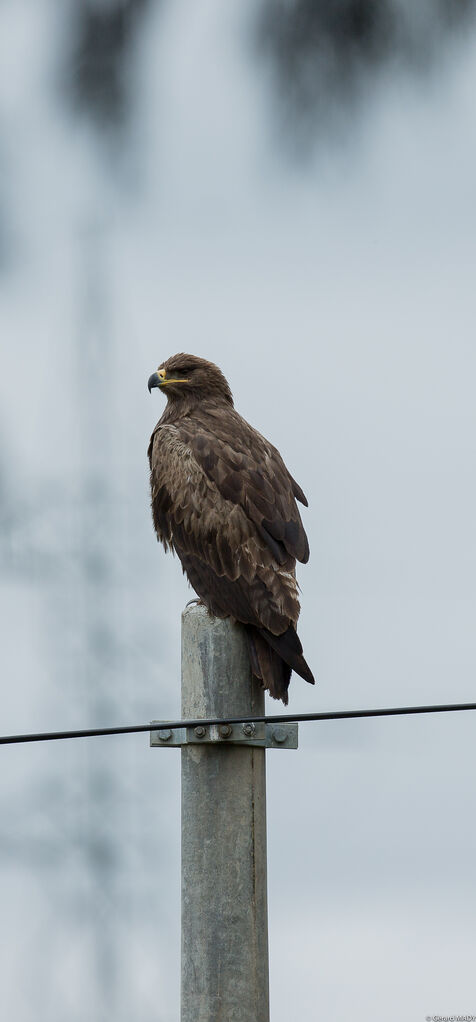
223	499
248	471
228	562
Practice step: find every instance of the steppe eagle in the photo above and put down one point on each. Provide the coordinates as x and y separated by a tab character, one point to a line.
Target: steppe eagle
224	501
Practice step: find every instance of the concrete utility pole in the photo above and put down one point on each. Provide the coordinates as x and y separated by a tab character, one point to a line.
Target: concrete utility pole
224	880
224	884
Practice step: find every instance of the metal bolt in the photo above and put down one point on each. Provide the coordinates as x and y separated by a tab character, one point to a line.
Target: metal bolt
164	734
279	734
200	731
248	730
224	730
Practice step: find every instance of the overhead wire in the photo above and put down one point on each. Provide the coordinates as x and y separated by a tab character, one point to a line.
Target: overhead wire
282	718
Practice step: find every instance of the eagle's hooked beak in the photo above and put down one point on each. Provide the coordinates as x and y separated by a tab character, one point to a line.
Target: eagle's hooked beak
160	379
156	379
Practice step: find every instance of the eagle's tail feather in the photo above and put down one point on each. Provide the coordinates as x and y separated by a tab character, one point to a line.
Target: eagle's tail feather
288	646
268	666
273	657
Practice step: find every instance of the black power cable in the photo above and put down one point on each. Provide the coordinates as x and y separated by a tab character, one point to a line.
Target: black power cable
286	718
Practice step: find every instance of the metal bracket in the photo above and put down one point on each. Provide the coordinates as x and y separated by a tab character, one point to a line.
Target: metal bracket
264	736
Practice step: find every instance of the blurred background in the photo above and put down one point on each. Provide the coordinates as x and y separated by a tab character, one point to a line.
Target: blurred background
287	188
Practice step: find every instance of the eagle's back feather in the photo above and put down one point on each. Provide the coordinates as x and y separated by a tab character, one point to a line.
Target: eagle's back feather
223	499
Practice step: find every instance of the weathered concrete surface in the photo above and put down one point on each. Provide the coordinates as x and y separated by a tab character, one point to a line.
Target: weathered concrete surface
224	895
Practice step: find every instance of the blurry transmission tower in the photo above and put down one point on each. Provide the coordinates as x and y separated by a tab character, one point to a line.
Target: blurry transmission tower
99	630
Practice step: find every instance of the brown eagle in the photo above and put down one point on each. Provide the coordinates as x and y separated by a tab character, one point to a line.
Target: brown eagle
224	501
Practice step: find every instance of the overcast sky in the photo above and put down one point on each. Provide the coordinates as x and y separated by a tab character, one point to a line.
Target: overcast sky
338	297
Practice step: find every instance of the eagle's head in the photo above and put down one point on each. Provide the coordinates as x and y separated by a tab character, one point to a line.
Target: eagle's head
187	376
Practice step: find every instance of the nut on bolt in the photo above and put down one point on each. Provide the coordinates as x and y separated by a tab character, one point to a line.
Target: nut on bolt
224	730
200	731
164	734
279	734
248	730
